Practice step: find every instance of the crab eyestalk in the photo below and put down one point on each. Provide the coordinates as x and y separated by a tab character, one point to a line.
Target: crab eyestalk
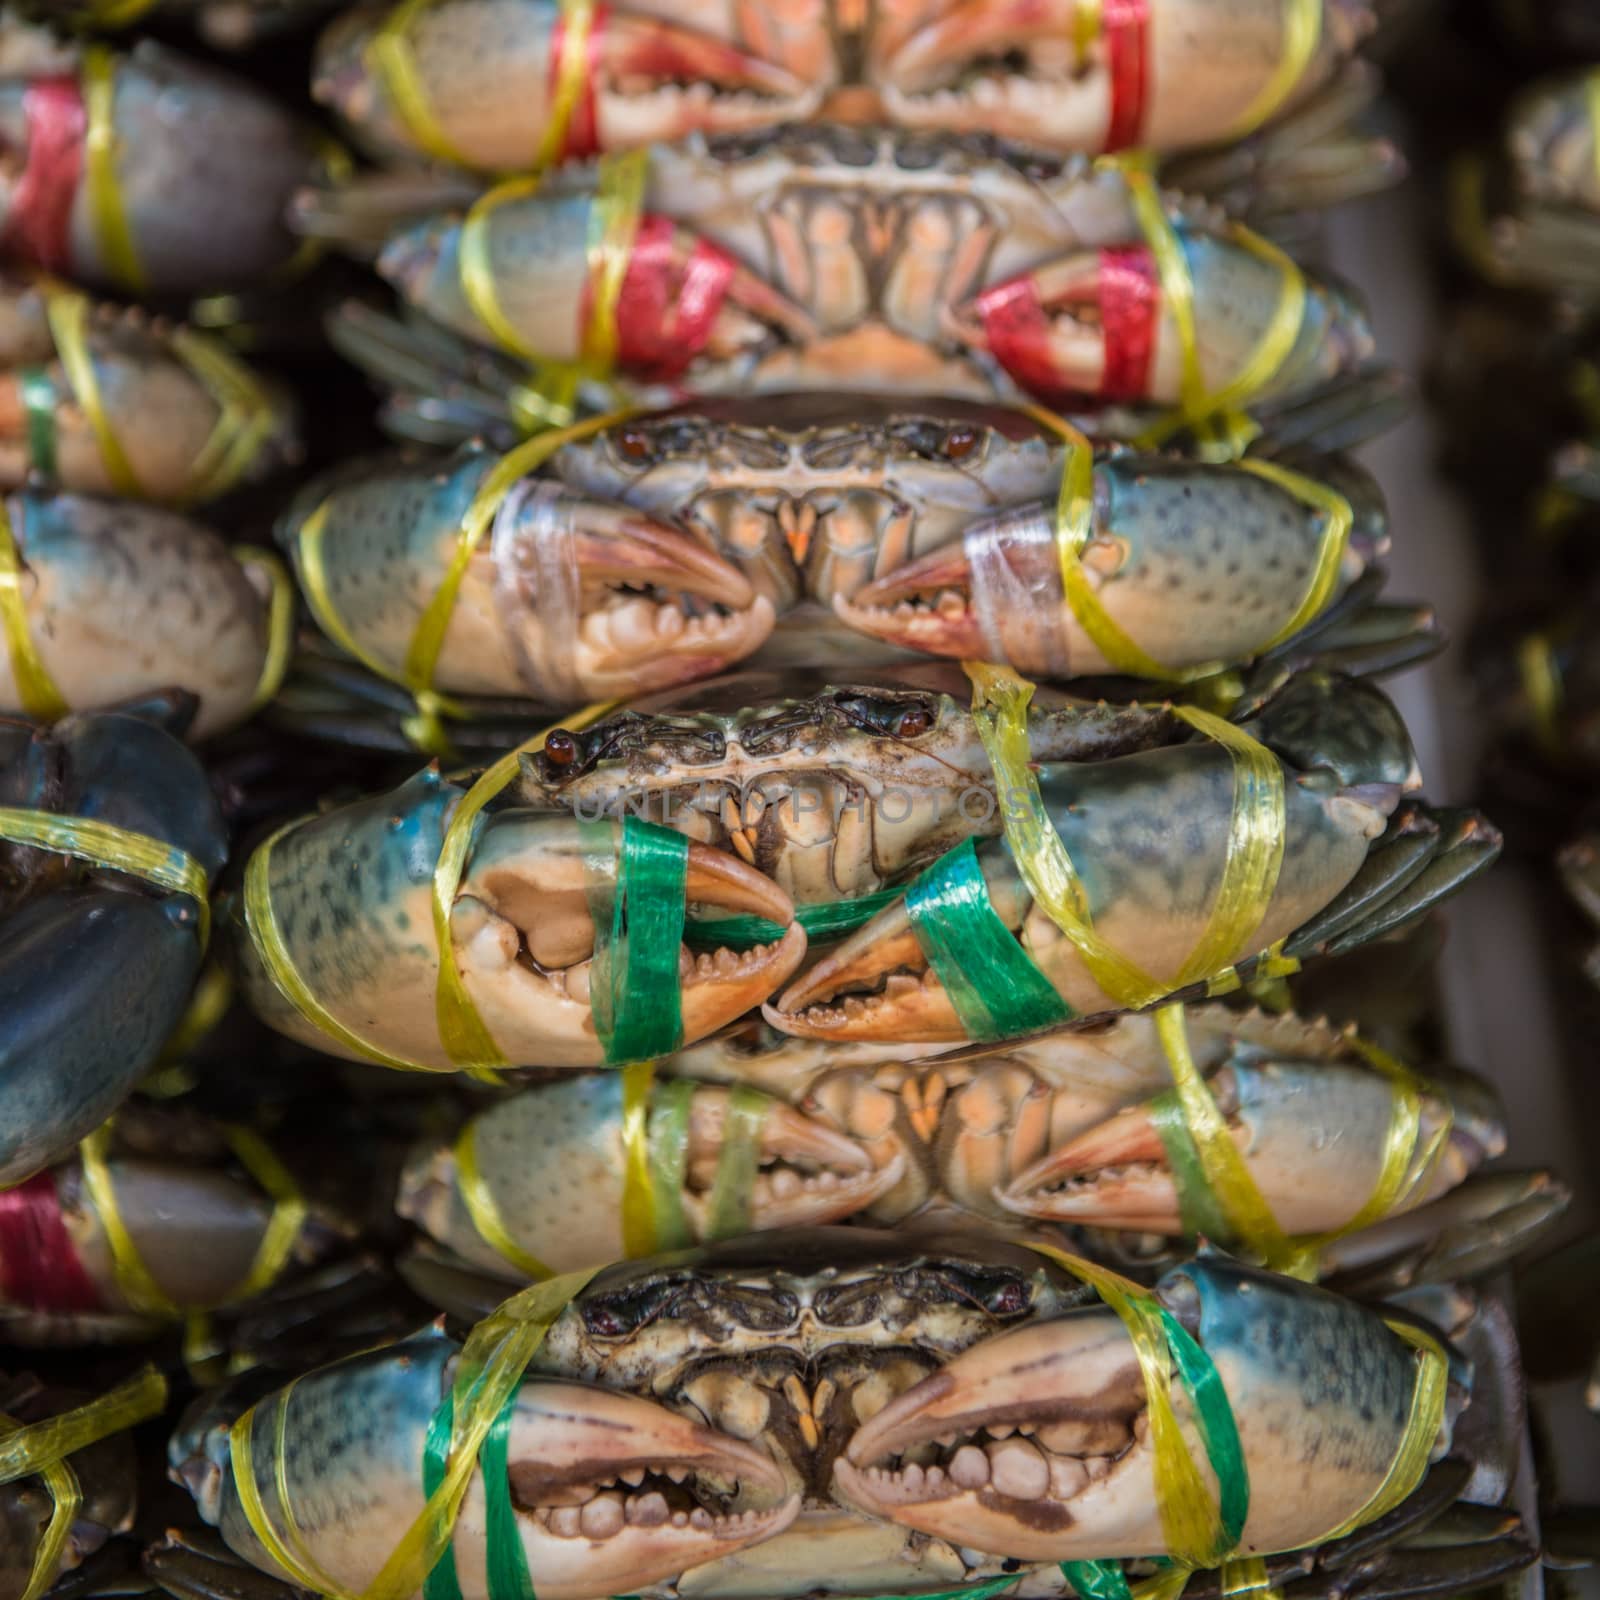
1096	323
567	598
1040	1437
490	74
351	895
1196	563
554	1159
610	1492
1149	836
686	297
1312	1134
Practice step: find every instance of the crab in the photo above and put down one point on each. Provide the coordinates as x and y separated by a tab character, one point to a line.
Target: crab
1063	1132
1149	833
835	1412
811	258
1174	75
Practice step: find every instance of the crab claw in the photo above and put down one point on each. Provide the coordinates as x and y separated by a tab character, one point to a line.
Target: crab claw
877	985
654	607
645	79
809	1174
524	939
1010	70
1312	1134
616	1492
924	605
1094	323
1036	1444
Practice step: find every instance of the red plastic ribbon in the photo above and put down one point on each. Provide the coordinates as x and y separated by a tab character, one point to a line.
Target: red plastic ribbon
1130	294
581	138
39	1267
1018	333
39	224
665	309
1126	25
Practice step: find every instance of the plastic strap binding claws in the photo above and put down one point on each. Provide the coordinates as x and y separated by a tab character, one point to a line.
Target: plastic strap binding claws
100	152
41	700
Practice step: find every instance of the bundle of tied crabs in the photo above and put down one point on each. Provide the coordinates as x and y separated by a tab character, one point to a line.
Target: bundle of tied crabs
870	567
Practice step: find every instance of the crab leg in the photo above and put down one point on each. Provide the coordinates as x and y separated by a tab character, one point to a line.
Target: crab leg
351	896
1042	1434
610	1492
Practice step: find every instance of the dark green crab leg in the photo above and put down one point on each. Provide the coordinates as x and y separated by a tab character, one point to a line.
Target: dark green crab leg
194	1564
1339	416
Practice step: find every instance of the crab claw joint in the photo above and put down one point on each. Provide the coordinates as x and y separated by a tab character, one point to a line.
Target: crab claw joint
1036	1444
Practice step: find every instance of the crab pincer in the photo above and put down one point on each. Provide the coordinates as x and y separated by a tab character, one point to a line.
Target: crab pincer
353	1439
1100	324
1195	562
491	75
349	896
566	597
1320	1389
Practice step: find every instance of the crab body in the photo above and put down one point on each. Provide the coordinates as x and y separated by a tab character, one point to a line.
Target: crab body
795	1415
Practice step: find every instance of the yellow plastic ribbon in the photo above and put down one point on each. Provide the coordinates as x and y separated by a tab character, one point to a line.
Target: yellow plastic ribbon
638	1188
245	415
496	1354
1190	1521
1075	527
36	689
1591	93
104	190
102	844
1199	407
134	1277
389	59
479	1200
1542	684
1302	33
427	729
67	315
1250	868
118	13
1403	1170
467	1041
280	621
614	215
1422	1428
42	1448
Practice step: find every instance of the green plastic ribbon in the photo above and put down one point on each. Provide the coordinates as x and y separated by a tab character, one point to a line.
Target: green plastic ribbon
828	919
1198	1207
996	989
39	414
638	912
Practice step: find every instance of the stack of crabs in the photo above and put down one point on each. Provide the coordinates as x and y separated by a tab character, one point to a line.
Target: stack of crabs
777	831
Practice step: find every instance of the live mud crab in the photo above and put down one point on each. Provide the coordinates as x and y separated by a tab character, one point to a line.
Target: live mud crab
815	258
805	531
871	1414
1064	1133
1061	76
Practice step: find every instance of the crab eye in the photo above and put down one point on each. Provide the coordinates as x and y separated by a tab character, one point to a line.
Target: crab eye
633	444
959	443
912	722
560	748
